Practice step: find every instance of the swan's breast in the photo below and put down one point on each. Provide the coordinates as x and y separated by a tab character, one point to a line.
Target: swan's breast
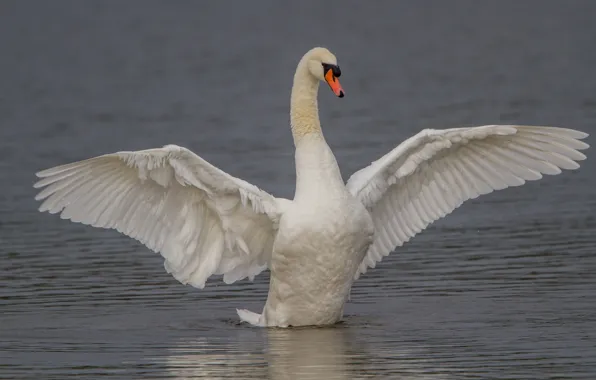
315	256
330	230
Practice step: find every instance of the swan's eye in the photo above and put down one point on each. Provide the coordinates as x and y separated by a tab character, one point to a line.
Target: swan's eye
336	71
334	68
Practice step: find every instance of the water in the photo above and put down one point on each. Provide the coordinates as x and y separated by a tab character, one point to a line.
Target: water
503	288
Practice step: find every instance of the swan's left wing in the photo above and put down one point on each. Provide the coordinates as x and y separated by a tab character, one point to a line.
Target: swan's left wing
434	172
202	220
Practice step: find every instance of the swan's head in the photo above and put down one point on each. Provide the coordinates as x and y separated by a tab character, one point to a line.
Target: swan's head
322	64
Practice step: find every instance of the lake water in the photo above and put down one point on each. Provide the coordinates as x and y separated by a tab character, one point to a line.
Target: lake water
504	288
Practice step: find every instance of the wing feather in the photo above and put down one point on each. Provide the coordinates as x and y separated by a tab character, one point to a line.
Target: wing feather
202	220
432	173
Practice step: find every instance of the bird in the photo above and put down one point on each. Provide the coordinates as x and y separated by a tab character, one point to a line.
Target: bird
206	222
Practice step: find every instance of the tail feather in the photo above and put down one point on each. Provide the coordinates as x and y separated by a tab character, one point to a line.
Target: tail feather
250	317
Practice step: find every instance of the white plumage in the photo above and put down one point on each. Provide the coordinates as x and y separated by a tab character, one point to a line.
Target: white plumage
434	172
204	221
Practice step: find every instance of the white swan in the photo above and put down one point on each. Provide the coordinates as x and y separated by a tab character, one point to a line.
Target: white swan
204	221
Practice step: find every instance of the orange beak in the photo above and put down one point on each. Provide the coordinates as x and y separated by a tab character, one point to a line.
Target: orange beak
333	82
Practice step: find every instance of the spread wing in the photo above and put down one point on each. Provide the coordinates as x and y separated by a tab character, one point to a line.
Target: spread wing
434	172
202	220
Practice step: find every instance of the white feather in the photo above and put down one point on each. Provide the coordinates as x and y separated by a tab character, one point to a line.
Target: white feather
175	203
432	173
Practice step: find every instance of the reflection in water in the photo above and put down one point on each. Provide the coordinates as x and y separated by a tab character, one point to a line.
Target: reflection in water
292	354
302	353
203	359
310	353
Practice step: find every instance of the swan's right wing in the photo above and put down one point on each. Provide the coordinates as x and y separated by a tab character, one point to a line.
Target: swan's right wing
202	220
434	172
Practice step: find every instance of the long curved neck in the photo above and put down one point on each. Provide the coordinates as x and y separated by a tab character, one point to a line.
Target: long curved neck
316	168
304	110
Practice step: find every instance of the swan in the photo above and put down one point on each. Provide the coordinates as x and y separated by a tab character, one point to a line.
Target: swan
206	222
